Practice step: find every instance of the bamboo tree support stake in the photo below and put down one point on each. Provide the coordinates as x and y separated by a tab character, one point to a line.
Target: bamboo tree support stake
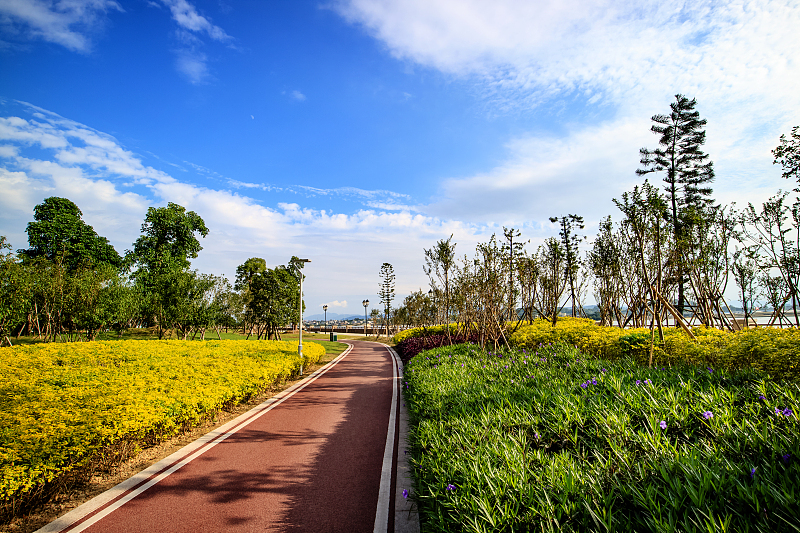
674	313
733	318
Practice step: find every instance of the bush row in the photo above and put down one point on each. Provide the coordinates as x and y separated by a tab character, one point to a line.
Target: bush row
62	403
771	350
424	332
411	346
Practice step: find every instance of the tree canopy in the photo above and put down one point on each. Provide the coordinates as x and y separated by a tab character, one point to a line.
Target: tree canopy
59	232
168	240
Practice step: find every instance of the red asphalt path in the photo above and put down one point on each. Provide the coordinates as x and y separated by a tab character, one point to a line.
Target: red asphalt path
313	462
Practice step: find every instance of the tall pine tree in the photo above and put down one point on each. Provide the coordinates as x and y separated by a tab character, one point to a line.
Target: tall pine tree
688	171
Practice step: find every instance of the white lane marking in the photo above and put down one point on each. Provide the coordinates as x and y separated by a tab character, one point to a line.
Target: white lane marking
382	513
192	450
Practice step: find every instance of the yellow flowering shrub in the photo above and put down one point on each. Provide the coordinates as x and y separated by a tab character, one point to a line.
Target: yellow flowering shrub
61	403
776	351
428	330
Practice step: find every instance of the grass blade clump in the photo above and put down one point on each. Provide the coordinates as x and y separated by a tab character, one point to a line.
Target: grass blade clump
550	439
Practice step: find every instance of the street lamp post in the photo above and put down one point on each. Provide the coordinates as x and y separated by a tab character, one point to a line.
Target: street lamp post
365	303
300	344
325	308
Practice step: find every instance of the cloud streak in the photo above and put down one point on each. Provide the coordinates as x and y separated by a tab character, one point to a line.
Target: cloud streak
624	61
68	24
43	154
187	17
190	59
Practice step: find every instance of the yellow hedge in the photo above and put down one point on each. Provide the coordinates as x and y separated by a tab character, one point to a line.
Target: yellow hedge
776	351
62	403
429	330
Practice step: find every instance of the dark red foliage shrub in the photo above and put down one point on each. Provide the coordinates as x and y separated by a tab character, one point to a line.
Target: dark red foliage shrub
410	347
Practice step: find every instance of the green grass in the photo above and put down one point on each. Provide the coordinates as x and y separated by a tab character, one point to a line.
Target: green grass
511	441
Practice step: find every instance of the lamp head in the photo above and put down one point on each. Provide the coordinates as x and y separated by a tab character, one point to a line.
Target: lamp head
324	307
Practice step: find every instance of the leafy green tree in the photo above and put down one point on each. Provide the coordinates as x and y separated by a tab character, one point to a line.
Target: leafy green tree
419	308
226	305
274	302
570	241
774	231
89	308
162	258
439	262
15	292
643	232
513	249
245	275
787	153
168	240
745	273
192	310
124	302
551	278
687	169
605	262
59	230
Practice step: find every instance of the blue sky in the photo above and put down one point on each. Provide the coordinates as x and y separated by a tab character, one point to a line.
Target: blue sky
361	131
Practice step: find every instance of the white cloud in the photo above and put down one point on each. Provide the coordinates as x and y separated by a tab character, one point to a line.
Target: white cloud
190	60
527	49
622	60
336	303
377	198
297	95
192	64
66	23
187	17
54	156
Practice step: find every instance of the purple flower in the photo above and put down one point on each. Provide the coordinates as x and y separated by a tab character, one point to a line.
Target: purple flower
594	381
604	370
753	472
648	382
537	438
451	486
762	397
786	458
638	381
405	493
583	385
708	414
710	370
663	424
778	411
787	412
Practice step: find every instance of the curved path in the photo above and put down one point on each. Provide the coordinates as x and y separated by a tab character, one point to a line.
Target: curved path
318	457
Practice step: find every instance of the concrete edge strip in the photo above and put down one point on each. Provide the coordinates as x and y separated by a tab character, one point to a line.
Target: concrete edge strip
125	491
384	493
